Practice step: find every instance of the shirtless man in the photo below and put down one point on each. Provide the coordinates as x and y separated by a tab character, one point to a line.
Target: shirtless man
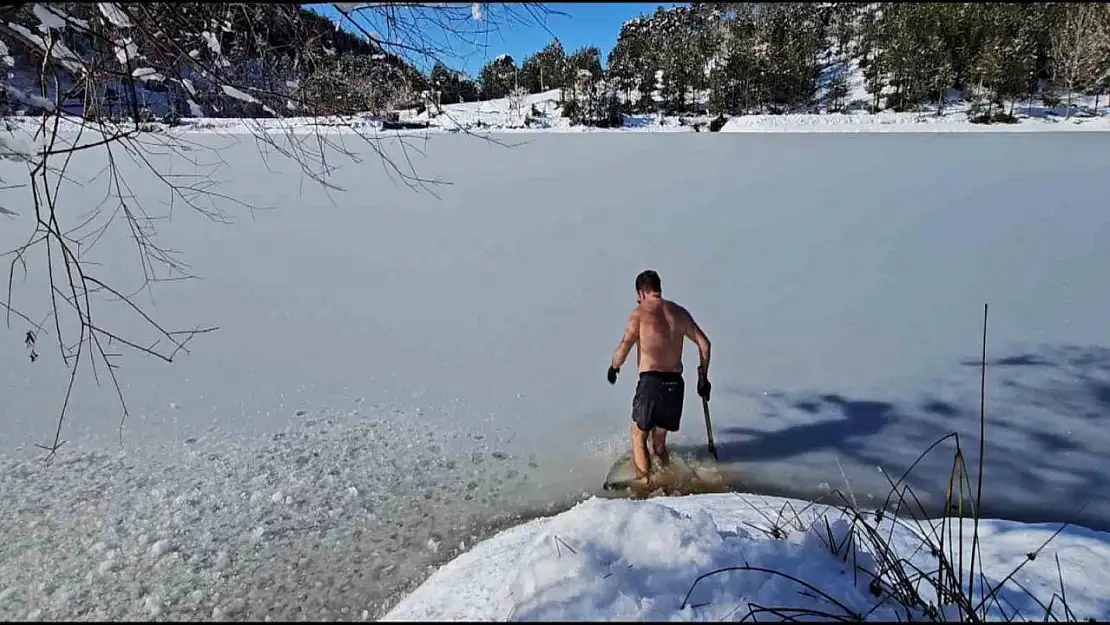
656	327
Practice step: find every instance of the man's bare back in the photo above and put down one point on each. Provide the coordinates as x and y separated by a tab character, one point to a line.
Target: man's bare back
659	327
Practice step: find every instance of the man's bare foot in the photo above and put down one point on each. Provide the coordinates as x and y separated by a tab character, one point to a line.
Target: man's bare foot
664	457
642	479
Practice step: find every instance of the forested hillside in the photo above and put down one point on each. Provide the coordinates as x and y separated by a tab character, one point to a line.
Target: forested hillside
195	59
239	59
735	59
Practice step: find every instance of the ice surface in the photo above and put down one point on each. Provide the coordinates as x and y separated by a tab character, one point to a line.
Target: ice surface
274	527
841	279
651	560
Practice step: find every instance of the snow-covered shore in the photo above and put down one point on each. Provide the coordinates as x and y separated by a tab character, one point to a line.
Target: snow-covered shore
644	560
540	113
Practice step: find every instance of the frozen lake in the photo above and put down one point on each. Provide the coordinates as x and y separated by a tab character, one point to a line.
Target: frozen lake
457	345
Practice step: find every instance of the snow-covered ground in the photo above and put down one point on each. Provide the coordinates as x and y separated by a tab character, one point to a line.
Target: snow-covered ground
508	116
655	560
457	342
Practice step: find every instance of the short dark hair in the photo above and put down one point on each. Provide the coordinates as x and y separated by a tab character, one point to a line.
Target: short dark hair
648	281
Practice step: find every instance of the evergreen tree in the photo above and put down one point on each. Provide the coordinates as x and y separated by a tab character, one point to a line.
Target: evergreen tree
497	78
545	69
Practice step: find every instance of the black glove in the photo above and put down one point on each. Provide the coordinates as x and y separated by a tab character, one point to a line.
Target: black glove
703	386
613	374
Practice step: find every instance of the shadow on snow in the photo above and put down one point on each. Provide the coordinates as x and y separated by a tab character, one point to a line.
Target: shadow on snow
1044	456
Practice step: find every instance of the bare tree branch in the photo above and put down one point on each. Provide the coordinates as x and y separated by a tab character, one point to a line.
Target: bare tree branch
98	75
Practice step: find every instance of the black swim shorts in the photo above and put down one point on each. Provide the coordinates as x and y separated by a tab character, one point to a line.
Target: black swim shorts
658	401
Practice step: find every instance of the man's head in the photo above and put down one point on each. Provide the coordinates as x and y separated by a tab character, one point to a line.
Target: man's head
647	283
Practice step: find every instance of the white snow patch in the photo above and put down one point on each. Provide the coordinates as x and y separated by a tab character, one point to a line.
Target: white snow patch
237	94
126	50
114	14
642	560
28	98
212	41
50	17
147	73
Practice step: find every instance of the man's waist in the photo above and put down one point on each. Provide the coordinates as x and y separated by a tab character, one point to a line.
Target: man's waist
663	376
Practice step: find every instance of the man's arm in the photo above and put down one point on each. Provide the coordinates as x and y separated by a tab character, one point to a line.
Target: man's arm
631	335
694	333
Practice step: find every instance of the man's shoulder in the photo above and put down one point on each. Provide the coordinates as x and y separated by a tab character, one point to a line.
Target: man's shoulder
673	305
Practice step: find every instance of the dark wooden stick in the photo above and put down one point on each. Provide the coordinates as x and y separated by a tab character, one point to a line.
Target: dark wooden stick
709	427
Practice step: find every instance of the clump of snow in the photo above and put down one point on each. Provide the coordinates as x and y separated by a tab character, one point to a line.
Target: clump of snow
126	49
147	73
114	14
237	94
710	557
25	97
50	17
212	41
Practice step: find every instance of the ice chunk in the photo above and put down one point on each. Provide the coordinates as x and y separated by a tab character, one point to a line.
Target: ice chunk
160	548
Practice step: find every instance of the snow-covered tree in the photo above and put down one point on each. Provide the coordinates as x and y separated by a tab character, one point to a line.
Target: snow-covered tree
1078	47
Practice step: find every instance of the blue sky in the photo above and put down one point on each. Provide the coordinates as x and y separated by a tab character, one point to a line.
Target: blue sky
584	24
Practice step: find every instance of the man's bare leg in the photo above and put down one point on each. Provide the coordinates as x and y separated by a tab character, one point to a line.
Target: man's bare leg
659	443
640	456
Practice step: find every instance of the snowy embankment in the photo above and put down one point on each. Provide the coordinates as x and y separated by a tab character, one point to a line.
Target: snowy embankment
712	557
541	113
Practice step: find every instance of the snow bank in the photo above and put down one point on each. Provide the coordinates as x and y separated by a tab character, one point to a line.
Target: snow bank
648	560
906	122
542	113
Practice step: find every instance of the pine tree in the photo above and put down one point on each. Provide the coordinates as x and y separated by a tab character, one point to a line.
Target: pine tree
498	77
545	69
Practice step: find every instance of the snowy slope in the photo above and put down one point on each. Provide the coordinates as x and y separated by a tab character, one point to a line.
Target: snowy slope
504	115
651	560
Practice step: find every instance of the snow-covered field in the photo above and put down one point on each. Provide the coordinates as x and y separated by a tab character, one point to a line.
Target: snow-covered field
395	369
710	558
